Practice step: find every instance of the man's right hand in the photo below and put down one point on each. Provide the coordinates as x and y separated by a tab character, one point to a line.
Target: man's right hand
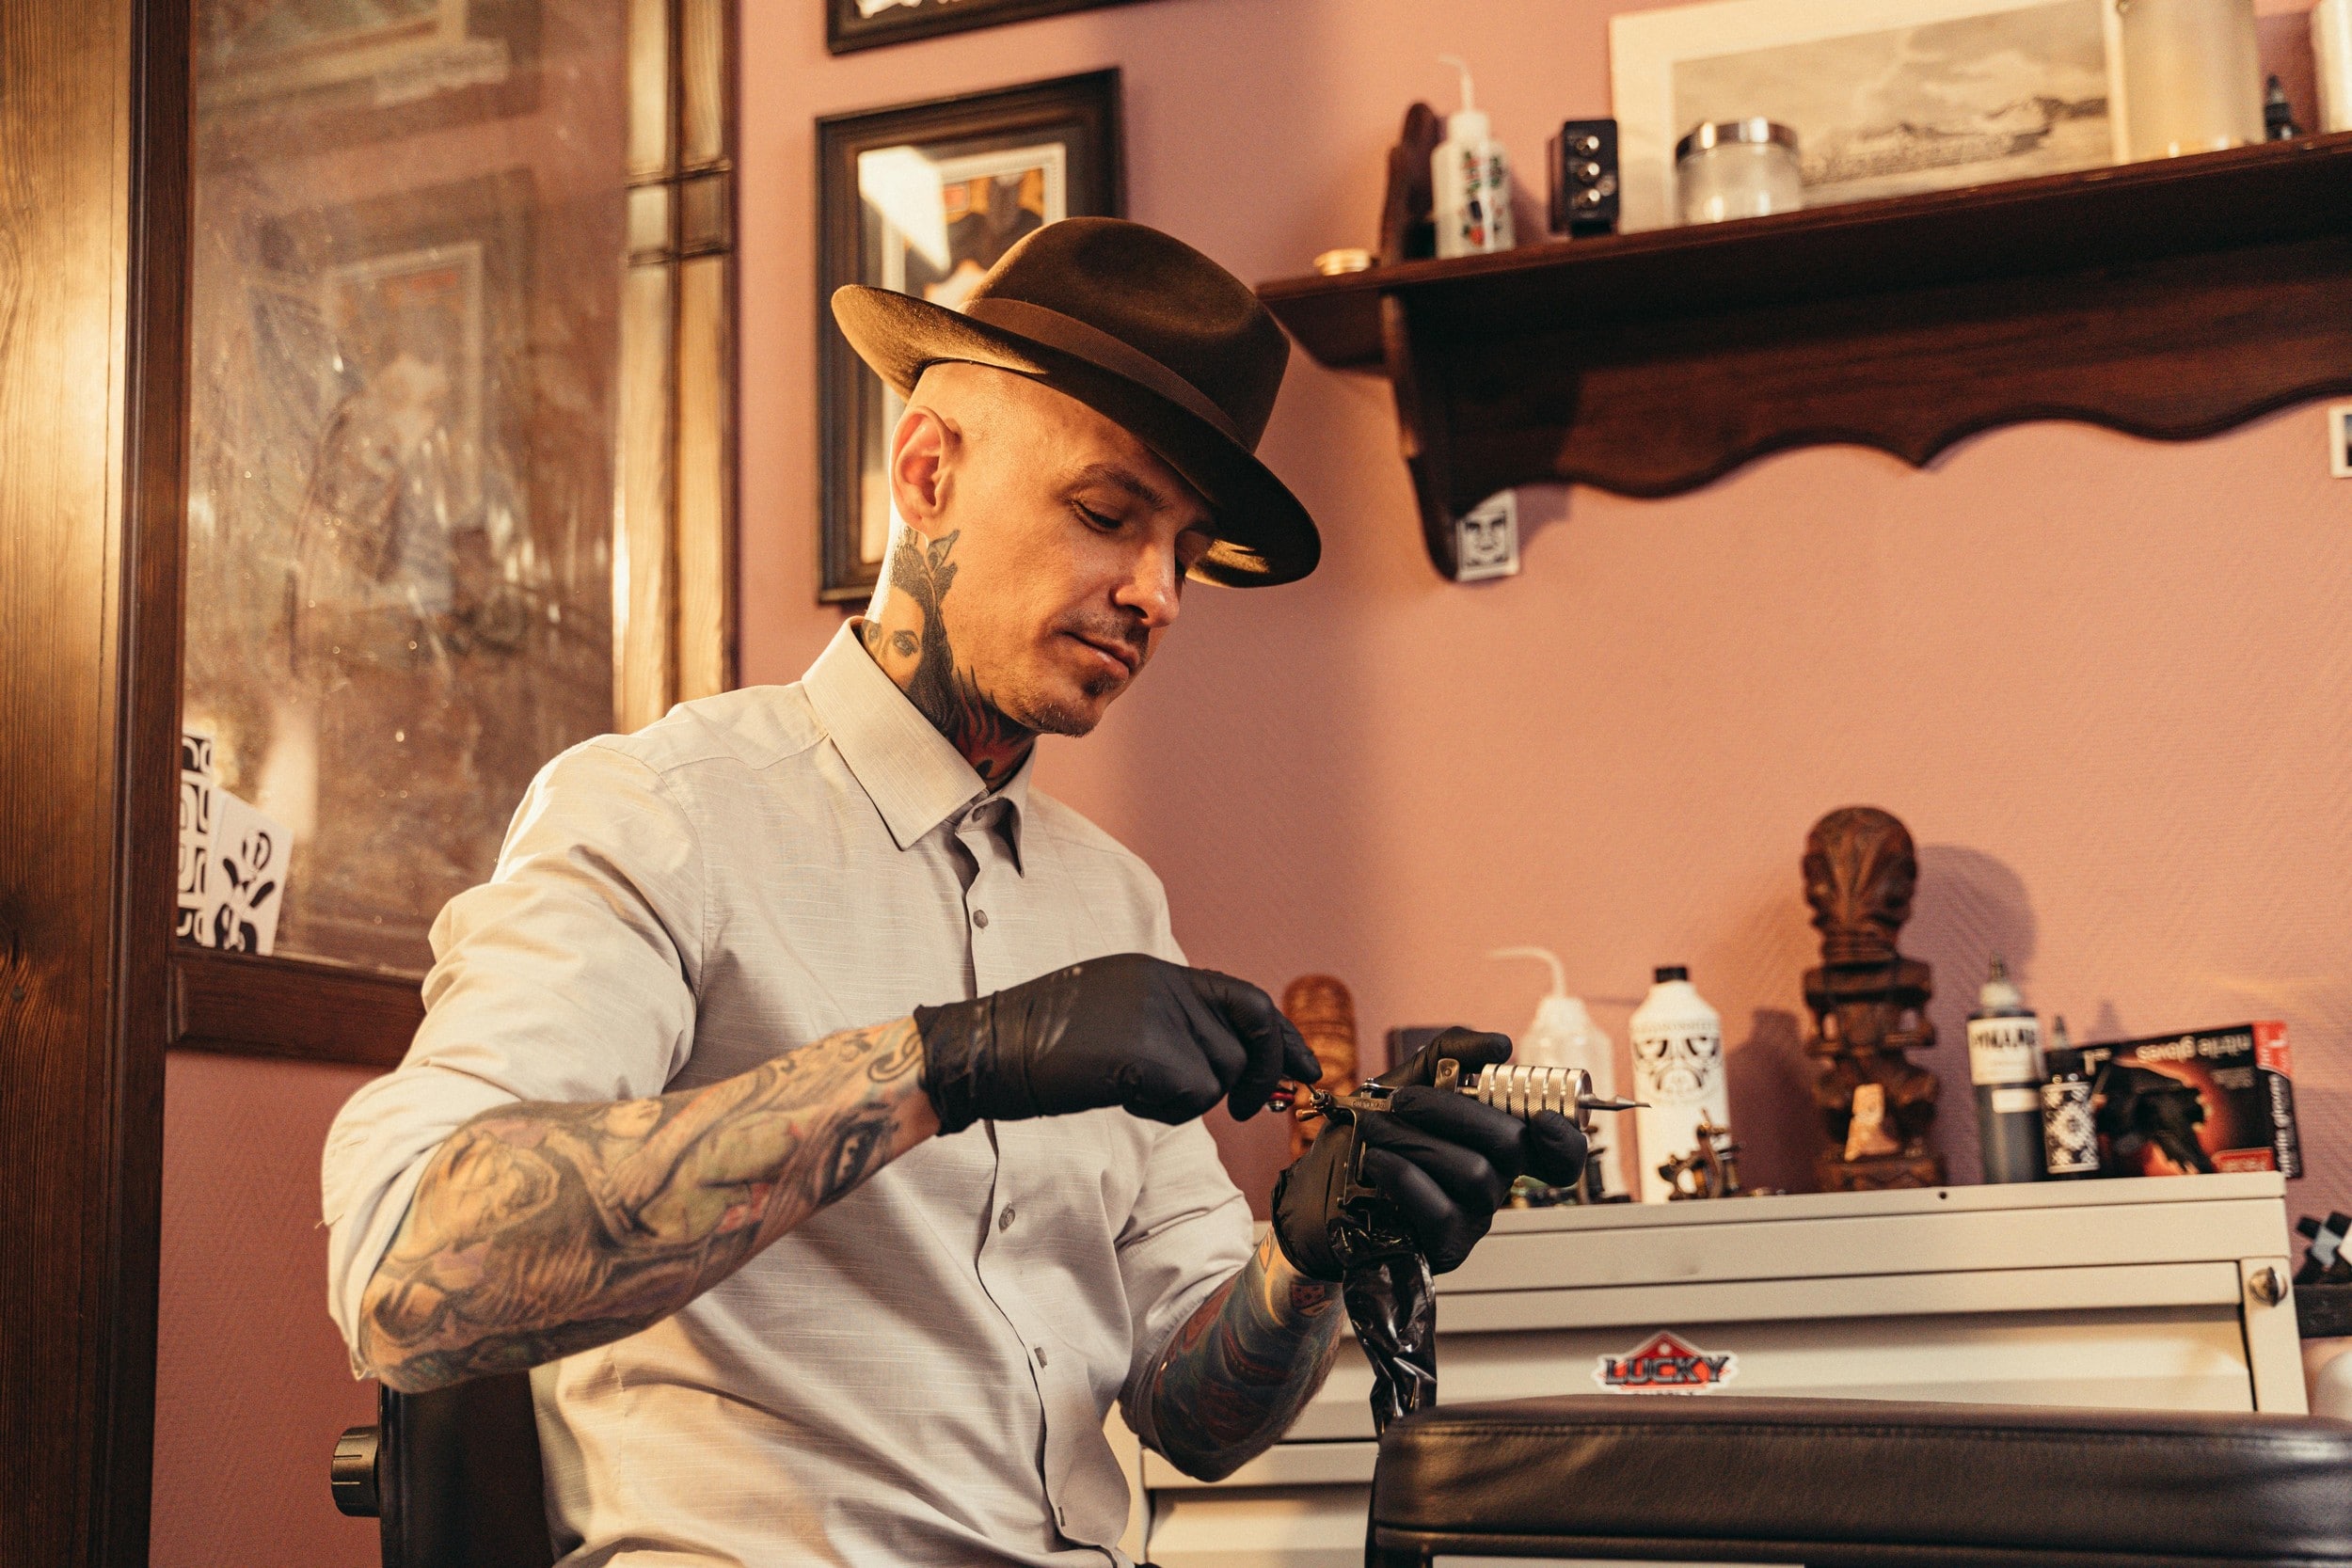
1133	1031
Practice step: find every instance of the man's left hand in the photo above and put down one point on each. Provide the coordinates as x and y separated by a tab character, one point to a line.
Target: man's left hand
1444	1161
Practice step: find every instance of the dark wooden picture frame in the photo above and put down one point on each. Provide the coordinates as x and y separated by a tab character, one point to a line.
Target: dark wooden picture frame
1077	115
847	27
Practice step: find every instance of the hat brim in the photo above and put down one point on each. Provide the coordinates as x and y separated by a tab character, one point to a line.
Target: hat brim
1265	536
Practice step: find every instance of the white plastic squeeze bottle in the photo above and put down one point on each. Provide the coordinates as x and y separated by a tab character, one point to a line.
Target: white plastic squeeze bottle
1679	1072
1564	1035
1470	179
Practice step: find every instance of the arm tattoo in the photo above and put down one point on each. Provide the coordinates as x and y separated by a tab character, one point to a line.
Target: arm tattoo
542	1229
1237	1375
943	692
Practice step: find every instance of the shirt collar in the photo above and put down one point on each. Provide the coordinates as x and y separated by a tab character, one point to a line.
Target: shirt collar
916	779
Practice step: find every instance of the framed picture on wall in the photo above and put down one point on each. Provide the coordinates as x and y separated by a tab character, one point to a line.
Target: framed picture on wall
1886	97
868	24
396	618
923	198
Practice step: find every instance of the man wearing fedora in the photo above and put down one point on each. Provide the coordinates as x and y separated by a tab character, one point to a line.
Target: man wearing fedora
813	1104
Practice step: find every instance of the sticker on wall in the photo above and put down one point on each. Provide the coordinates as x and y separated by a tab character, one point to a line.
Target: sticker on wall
1487	539
1666	1365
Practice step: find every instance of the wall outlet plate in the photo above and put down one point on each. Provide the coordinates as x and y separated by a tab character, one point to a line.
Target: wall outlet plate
2340	439
1487	539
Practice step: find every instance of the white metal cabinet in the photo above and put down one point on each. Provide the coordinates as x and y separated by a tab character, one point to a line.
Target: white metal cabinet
2140	1293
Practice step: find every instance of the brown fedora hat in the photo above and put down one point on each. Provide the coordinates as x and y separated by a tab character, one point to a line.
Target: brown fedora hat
1147	332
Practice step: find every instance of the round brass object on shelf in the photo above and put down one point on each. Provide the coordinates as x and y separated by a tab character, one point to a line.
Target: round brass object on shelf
1332	263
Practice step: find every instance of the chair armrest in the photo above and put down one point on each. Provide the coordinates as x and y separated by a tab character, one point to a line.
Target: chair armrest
353	1474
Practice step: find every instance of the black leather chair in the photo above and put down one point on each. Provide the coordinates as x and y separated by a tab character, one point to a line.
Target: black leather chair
1860	1483
455	1480
452	1477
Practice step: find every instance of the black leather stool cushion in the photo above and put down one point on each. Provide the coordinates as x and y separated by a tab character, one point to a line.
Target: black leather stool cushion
1843	1482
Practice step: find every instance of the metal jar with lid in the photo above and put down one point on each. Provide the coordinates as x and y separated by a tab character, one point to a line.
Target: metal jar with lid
1738	169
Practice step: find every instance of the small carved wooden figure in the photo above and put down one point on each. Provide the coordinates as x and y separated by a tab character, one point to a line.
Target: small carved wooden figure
1865	1132
1869	1003
1324	1012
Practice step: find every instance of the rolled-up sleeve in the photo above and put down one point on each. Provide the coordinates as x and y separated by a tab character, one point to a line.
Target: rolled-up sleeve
569	977
1188	1235
1188	1232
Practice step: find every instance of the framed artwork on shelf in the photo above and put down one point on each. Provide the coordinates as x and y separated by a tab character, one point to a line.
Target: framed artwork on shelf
923	198
1886	97
851	25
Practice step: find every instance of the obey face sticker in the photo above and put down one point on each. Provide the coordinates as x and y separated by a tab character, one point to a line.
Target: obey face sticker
1666	1365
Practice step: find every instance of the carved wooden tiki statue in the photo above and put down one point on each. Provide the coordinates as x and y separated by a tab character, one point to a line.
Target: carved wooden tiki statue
1868	1002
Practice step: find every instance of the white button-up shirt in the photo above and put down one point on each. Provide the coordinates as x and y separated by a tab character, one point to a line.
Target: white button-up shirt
919	1373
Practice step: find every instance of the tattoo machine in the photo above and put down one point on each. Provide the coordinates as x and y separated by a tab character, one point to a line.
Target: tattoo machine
1389	1294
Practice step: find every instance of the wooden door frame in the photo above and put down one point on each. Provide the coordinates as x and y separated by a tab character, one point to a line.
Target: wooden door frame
93	372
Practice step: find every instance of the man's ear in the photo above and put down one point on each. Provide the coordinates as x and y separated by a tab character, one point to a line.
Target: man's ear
920	452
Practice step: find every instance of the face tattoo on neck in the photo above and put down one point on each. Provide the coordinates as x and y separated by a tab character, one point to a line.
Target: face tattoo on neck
941	690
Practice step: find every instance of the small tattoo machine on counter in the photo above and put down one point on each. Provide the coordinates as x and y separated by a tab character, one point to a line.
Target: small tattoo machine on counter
1391	1298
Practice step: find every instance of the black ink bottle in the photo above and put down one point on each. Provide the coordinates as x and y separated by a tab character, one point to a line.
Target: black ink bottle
2070	1136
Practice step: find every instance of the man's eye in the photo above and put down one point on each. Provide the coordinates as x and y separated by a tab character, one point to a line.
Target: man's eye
1092	518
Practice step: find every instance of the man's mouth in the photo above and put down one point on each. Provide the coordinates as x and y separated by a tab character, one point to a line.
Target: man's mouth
1124	654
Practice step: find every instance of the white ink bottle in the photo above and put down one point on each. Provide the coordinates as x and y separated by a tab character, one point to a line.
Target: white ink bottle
1470	179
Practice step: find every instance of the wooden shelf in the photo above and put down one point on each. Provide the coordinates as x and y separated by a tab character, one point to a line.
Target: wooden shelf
2171	300
243	1006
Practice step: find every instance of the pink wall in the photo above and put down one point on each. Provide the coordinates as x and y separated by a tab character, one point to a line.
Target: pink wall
2104	681
251	1384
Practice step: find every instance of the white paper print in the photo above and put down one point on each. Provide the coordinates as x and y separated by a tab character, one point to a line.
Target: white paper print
196	827
245	877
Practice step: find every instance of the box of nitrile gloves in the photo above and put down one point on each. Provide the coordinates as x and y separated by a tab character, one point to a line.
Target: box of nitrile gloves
2212	1099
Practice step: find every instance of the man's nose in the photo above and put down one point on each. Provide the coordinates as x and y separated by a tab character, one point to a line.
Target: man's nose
1154	587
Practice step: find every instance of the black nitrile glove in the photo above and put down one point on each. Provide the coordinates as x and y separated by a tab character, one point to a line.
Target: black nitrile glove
1442	1163
1154	1037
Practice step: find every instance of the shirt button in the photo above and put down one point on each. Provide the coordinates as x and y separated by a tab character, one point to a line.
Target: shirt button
1004	1219
980	917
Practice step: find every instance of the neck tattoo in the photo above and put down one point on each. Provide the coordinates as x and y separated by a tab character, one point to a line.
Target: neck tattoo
941	689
